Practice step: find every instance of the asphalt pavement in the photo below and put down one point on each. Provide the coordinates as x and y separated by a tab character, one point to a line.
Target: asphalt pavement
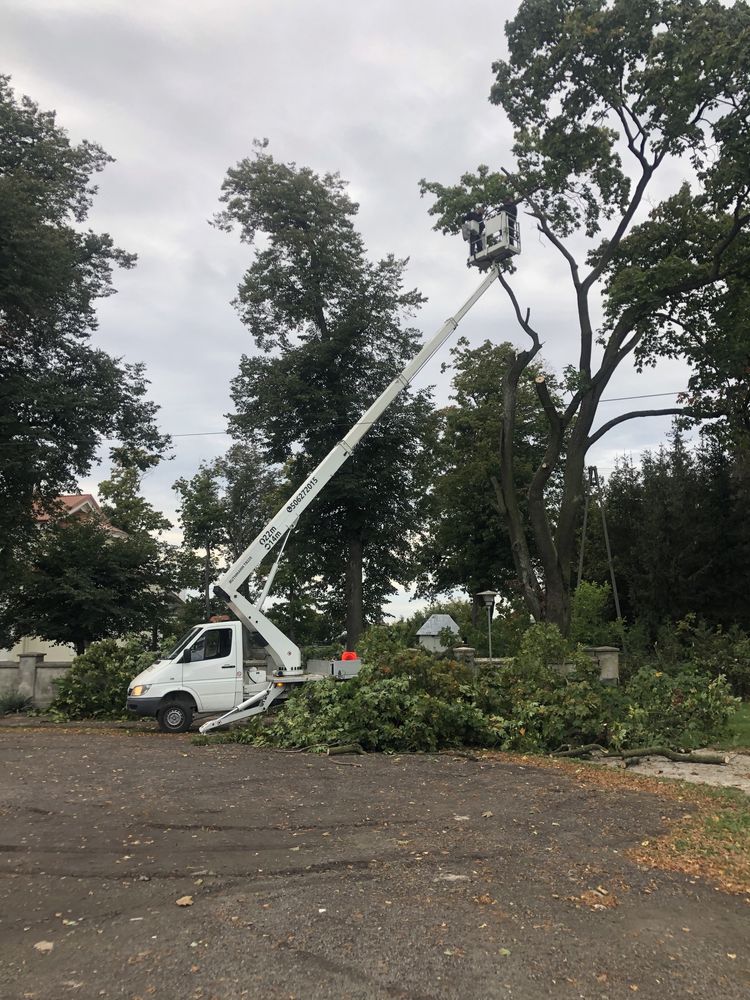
136	865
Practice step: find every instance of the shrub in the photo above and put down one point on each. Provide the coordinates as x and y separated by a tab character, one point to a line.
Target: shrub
681	709
96	686
412	700
13	702
693	645
374	711
592	616
715	652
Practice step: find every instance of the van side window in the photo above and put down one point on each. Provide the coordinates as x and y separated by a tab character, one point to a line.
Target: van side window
212	645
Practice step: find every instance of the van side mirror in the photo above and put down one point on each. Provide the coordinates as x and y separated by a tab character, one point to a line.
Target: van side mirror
185	658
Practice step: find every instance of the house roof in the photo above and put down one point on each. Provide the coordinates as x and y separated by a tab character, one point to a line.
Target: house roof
73	503
435	624
80	503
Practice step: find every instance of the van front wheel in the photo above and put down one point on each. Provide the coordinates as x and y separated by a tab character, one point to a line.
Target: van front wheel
175	717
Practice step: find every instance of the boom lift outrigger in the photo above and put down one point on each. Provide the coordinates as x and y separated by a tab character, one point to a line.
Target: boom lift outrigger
499	241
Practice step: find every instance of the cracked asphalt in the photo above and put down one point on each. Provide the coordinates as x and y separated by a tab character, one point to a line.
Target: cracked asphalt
414	877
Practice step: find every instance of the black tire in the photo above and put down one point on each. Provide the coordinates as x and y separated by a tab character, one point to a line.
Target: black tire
175	717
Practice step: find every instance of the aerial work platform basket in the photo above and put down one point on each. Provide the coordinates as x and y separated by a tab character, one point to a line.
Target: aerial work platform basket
491	238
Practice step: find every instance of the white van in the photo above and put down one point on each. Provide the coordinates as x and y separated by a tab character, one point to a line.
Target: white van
210	670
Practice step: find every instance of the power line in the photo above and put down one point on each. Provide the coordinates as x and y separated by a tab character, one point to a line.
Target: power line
196	434
648	395
605	399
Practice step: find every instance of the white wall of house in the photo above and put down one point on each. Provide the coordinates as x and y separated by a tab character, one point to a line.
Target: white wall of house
53	652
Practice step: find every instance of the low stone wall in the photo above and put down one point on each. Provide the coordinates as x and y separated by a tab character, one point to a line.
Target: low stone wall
31	677
607	659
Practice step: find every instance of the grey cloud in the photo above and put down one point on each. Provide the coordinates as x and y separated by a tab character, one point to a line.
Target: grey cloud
384	92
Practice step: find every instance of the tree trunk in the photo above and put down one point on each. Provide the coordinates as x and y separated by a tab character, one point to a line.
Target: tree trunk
354	595
557	601
546	576
506	491
475	603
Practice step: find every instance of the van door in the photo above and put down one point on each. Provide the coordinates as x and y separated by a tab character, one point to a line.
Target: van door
211	671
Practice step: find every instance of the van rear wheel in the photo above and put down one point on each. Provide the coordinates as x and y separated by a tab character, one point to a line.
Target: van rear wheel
175	717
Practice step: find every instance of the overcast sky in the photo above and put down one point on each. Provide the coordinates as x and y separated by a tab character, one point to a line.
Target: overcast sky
384	92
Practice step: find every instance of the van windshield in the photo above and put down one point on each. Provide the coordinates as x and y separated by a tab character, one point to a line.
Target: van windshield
182	643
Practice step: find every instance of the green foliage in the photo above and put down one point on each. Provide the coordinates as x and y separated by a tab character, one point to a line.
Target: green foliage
96	685
592	614
543	646
680	537
60	398
509	624
379	643
684	709
332	329
406	707
622	111
466	543
694	645
13	702
80	584
410	700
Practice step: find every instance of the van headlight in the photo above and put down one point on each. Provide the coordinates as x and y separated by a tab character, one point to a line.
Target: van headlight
138	690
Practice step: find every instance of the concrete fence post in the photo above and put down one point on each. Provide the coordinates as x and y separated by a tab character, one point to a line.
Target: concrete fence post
28	663
608	658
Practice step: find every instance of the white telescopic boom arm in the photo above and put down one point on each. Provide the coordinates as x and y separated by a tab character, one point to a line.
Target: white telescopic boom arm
274	531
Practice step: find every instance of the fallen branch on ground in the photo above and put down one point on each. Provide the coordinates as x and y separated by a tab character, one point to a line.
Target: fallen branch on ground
348	748
639	752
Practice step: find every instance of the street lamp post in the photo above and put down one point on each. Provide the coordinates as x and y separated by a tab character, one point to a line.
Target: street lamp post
488	596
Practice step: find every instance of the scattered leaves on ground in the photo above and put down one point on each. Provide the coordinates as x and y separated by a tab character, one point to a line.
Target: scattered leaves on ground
709	838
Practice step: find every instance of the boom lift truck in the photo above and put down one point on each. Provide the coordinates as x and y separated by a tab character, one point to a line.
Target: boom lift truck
196	677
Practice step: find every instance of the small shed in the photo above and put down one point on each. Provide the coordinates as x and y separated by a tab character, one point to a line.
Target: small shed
429	634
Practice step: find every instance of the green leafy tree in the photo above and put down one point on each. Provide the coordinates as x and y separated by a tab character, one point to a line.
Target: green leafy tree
249	490
125	507
680	538
607	99
467	543
201	514
80	583
224	506
60	396
330	326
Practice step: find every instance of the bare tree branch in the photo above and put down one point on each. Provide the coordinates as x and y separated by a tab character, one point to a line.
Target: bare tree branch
523	321
593	438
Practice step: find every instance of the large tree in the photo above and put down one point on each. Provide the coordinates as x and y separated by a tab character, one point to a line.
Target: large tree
60	396
331	328
467	544
165	569
79	582
680	537
611	102
224	506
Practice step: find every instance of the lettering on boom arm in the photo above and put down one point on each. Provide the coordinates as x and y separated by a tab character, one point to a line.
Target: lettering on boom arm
269	538
302	494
